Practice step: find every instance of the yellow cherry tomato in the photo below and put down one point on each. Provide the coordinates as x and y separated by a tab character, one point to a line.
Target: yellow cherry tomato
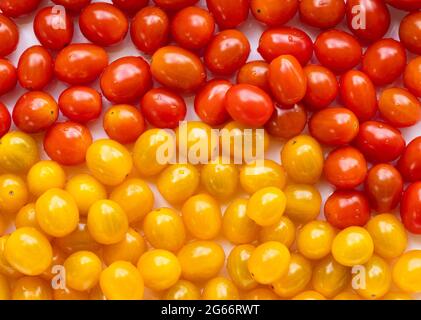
159	269
260	294
309	295
178	182
28	251
389	235
346	296
57	212
220	288
80	239
85	190
164	229
314	240
122	281
135	197
407	271
237	267
109	161
83	269
269	262
296	279
201	260
45	175
266	206
5	267
70	294
13	194
257	175
352	246
220	178
302	158
397	296
32	288
303	202
237	227
27	217
283	231
183	290
18	152
4	288
376	279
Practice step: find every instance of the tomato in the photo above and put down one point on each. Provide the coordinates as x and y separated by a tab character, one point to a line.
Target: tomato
163	108
174	5
80	63
379	142
376	19
285	40
344	209
287	123
409	164
410	32
273	12
9	35
178	69
35	111
383	187
248	104
67	143
399	107
287	80
337	50
322	87
409	5
150	29
412	76
227	52
16	8
73	5
228	14
123	123
322	14
334	126
5	120
384	61
411	208
80	104
255	73
8	76
358	94
35	68
53	28
130	6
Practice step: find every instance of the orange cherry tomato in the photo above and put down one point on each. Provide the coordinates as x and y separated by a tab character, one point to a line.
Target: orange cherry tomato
411	208
410	32
9	35
409	164
322	87
73	5
174	5
255	73
80	104
273	12
322	14
8	76
412	76
16	8
5	120
229	14
130	6
287	123
35	111
67	143
409	5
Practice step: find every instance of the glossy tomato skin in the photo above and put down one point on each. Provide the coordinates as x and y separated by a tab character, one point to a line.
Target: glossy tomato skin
410	32
337	50
126	80
130	6
409	164
5	120
412	76
384	61
411	208
80	104
334	126
150	29
358	94
53	28
17	8
35	111
285	40
73	5
163	108
344	209
409	5
322	87
255	73
379	142
67	143
174	5
228	14
287	123
8	76
273	12
249	105
9	36
35	68
322	14
383	187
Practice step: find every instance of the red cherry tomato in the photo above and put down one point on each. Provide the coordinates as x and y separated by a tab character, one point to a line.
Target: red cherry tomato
8	76
322	87
163	108
409	164
249	104
337	50
379	142
255	73
123	123
344	209
178	69
358	94
384	61
192	28
412	76
73	5
287	80
209	102
273	12
16	8
334	126
285	40
410	32
9	36
411	208
229	14
150	29
130	6
80	104
103	24
287	123
5	120
227	52
383	187
174	5
322	14
369	20
409	5
35	68
126	80
399	107
53	28
35	111
80	63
